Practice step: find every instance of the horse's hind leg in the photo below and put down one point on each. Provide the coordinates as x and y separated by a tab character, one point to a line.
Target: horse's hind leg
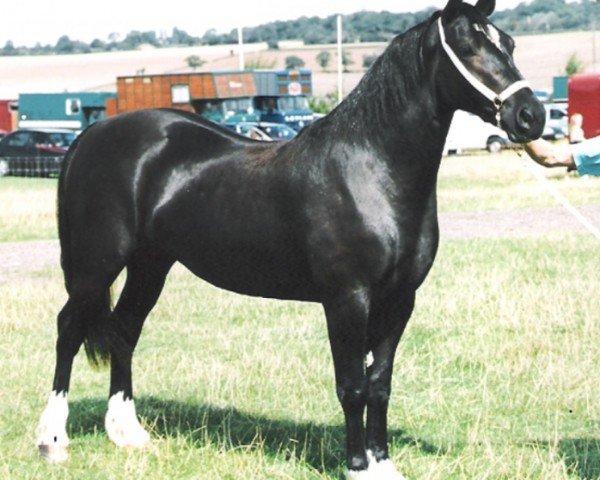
91	261
146	274
92	304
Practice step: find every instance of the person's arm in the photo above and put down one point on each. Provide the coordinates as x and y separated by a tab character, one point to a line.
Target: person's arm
548	155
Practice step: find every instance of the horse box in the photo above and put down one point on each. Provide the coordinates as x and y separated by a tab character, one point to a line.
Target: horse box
584	98
179	90
71	110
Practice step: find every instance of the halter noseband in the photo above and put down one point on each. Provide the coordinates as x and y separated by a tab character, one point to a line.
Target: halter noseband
497	99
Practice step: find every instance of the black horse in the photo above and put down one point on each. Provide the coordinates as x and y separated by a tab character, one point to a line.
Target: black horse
344	215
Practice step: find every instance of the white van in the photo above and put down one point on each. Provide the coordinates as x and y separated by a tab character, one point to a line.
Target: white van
469	132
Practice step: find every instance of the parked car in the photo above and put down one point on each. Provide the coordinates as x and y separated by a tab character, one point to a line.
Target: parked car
542	95
557	122
34	153
265	131
277	131
469	132
248	129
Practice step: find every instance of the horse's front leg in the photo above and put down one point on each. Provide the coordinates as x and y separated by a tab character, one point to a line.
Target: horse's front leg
347	317
386	325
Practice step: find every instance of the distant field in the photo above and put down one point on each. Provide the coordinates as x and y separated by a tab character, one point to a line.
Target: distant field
539	57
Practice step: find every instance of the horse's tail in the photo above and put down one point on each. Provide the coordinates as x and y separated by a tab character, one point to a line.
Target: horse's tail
94	312
64	233
96	332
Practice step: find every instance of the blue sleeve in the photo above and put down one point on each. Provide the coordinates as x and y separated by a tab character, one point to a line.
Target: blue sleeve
587	156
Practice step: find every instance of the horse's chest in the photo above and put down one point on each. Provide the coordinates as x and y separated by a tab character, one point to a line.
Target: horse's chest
386	247
417	238
390	230
413	257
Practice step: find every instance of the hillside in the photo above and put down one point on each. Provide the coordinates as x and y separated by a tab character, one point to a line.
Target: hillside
534	16
540	57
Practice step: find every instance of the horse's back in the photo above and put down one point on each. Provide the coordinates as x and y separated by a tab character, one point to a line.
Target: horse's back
128	140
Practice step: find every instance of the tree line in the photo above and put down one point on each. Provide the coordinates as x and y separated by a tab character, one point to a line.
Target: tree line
538	16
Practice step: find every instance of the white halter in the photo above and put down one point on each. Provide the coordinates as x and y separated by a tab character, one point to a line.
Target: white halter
497	99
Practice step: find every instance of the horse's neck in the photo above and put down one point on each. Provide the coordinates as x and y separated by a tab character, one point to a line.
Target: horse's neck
395	104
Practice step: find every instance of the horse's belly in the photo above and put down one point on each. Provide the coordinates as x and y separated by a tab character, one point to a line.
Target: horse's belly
232	233
267	270
239	274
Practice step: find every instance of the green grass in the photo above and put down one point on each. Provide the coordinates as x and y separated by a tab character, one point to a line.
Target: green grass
496	377
27	209
482	182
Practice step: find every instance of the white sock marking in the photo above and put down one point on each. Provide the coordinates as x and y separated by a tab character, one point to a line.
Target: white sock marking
359	475
122	425
51	432
384	469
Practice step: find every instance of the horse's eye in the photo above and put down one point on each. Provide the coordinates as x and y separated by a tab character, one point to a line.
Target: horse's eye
466	51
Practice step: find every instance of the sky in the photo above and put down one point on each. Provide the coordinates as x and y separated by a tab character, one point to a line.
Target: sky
27	22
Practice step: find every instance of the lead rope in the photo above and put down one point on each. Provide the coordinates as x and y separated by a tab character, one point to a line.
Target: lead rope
559	197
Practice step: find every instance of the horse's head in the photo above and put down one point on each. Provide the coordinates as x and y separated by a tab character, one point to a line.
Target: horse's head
477	72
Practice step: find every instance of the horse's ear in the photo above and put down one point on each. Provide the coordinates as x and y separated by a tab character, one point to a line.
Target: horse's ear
451	10
486	7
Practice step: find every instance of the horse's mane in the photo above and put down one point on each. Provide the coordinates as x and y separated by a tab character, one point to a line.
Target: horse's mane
399	66
383	95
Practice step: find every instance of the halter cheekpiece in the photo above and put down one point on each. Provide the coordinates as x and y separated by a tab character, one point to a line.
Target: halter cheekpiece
497	99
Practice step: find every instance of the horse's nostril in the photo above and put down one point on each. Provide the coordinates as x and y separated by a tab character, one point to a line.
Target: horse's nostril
525	116
525	119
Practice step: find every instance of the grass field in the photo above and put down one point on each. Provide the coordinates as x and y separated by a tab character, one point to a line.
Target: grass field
496	378
27	209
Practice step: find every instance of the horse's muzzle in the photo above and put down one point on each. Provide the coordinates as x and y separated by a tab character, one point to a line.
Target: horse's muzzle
523	117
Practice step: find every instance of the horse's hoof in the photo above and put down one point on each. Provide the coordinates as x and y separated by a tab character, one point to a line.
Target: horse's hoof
382	469
358	475
54	453
127	434
374	474
134	438
385	470
122	426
